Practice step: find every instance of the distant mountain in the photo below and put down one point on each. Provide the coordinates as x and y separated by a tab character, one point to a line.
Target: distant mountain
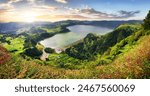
111	24
17	28
108	24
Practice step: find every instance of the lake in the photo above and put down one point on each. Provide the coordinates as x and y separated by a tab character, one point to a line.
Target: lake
78	32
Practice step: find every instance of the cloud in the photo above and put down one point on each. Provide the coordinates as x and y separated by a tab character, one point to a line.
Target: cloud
90	12
4	8
71	17
50	12
31	1
45	7
93	12
86	14
62	1
13	1
36	2
127	14
2	11
61	17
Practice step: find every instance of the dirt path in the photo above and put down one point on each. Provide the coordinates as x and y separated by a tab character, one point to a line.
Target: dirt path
44	56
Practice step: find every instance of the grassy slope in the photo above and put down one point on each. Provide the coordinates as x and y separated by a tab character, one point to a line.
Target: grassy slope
130	59
132	64
93	44
4	55
16	44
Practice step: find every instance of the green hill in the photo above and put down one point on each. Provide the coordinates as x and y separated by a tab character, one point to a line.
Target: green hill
123	53
93	44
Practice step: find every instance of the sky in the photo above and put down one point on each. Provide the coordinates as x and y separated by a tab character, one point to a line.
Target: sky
58	10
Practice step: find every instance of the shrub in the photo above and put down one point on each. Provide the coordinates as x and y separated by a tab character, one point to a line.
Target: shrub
33	52
49	50
146	24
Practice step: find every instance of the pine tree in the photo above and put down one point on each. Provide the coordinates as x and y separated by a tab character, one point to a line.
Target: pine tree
146	24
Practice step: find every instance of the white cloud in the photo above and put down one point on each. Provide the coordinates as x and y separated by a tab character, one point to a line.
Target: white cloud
13	1
31	1
45	7
8	5
95	14
62	1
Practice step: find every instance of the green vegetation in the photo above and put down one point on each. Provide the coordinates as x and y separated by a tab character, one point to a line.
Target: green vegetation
4	55
33	52
92	44
147	21
15	45
123	53
37	34
49	50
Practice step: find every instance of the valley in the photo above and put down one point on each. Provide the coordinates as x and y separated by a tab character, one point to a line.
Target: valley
76	49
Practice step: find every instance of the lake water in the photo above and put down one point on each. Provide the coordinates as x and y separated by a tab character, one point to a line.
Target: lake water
78	32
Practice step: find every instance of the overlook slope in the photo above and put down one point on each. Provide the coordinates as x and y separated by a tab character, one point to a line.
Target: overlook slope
123	53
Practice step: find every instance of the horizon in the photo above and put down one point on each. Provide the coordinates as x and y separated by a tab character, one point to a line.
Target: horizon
31	11
69	20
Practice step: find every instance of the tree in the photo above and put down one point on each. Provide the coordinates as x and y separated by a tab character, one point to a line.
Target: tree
146	24
49	50
33	52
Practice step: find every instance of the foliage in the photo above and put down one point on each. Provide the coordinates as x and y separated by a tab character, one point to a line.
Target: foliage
146	24
39	46
123	53
93	45
37	34
33	52
4	55
133	64
49	50
15	45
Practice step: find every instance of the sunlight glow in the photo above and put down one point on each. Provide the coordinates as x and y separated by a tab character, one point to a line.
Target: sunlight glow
29	16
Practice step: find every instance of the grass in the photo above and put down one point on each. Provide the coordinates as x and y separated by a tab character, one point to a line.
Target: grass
4	55
133	64
16	44
131	60
51	30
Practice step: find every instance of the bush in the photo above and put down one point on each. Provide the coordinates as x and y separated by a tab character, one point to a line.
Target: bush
33	52
146	24
49	50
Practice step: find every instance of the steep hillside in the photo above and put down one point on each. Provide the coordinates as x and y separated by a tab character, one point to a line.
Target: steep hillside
93	44
123	53
132	64
4	55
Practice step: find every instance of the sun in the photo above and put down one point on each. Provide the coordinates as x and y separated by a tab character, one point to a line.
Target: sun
29	16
